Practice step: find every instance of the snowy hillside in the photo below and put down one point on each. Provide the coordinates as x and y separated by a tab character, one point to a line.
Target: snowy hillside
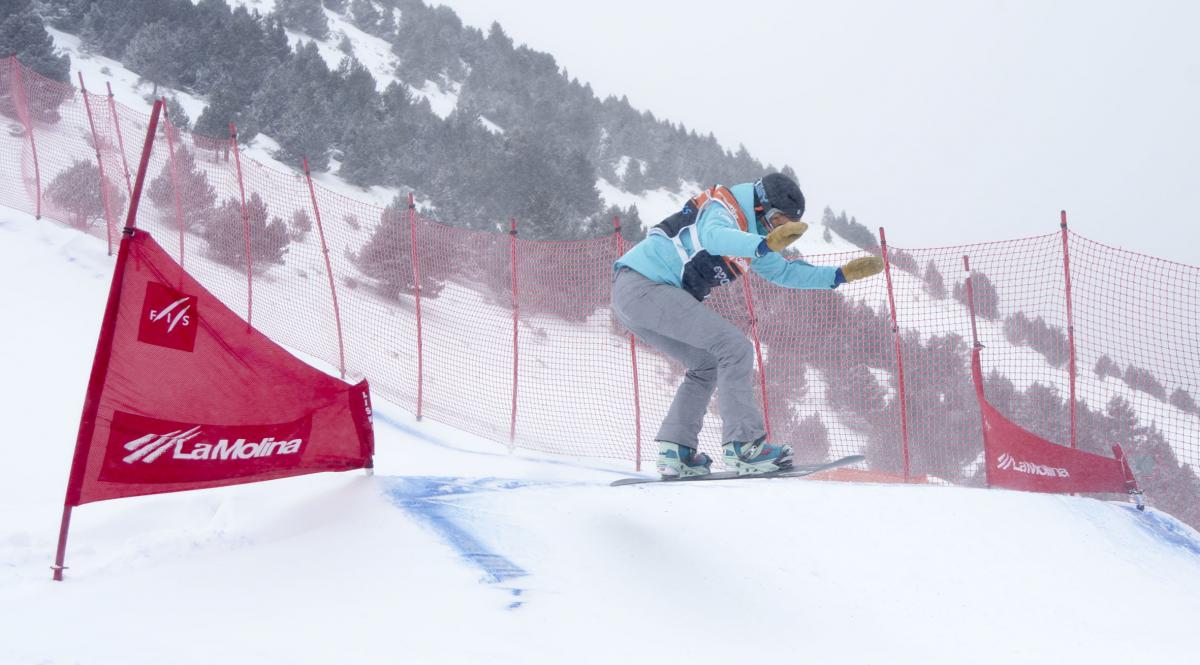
376	55
133	92
456	551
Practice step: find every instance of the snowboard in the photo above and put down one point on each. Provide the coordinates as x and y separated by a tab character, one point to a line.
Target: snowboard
797	471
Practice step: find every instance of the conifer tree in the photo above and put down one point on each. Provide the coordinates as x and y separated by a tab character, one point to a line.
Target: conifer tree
158	53
223	108
305	16
935	286
23	34
177	114
857	391
301	225
1182	400
987	299
197	197
225	233
1105	367
387	257
77	192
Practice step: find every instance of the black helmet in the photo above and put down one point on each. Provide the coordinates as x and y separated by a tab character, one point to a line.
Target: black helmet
779	192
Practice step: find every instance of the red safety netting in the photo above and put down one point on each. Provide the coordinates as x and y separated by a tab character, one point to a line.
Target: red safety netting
1012	278
512	339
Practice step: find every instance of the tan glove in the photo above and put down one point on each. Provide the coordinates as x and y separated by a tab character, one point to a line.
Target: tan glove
785	234
862	267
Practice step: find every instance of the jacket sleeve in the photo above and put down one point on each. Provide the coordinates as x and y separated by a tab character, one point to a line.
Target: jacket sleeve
795	274
720	235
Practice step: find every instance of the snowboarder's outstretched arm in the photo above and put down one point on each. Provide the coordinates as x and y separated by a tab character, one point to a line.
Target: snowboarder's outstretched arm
797	274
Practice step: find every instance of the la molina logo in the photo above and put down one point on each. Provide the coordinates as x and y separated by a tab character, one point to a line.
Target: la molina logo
170	318
143	450
1009	463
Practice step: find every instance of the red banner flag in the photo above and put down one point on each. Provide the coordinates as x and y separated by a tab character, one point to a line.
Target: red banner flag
185	395
1020	460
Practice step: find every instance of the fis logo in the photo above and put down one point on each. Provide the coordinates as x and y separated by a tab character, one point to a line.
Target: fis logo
1009	463
169	318
180	309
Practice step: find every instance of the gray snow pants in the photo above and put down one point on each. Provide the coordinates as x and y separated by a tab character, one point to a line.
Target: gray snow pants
715	353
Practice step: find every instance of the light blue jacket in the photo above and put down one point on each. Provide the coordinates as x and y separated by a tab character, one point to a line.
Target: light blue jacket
657	258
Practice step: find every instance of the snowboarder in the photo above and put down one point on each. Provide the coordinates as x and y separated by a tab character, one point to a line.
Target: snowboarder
659	288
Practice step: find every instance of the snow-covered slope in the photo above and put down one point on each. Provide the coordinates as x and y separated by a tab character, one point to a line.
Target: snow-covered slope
457	551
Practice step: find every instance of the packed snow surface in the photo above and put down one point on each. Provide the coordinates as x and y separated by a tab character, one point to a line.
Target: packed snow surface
459	551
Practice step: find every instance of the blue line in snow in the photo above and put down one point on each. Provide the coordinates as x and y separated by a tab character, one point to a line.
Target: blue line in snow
423	498
1165	528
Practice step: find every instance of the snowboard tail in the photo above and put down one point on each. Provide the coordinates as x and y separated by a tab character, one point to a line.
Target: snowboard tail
797	471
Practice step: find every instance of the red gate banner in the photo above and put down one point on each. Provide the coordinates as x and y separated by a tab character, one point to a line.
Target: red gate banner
186	395
1020	460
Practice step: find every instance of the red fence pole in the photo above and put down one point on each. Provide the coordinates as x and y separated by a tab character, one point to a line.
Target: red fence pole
170	132
977	368
91	402
135	198
245	229
762	369
901	395
109	222
416	266
22	104
512	432
112	109
1070	322
971	301
637	398
1131	483
337	313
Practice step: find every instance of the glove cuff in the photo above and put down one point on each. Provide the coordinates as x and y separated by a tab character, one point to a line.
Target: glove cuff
839	278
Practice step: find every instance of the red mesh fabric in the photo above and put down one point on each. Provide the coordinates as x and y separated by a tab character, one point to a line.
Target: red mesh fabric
15	142
569	344
1136	322
1020	276
829	358
467	328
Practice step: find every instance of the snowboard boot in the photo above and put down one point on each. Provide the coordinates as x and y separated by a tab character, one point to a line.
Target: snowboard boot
757	456
676	461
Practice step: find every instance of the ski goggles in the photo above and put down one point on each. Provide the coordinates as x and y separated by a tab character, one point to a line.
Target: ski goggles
773	214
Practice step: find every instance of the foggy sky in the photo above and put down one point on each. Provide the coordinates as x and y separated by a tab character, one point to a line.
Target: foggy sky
945	122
